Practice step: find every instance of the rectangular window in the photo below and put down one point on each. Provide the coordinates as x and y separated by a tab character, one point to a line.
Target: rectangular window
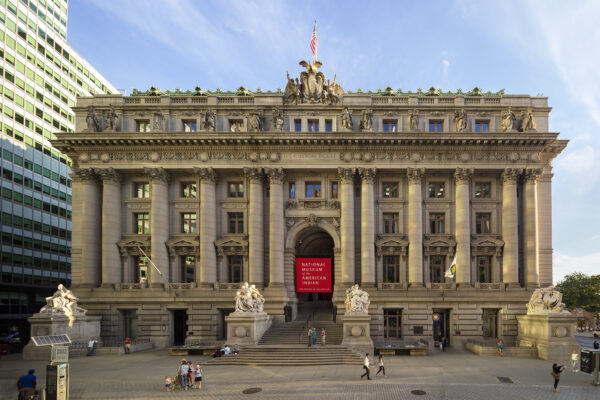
436	266
188	269
483	190
436	126
188	222
313	189
236	190
390	223
235	268
484	269
189	125
328	125
391	269
235	222
390	189
392	323
390	125
436	223
436	190
482	222
142	190
292	190
141	264
298	125
142	223
334	190
142	125
188	190
482	126
313	125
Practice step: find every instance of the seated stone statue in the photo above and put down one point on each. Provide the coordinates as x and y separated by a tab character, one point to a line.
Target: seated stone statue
545	300
248	299
357	300
65	302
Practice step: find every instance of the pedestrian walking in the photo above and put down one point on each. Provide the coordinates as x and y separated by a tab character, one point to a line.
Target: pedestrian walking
574	359
500	348
309	337
91	344
314	336
198	377
556	370
323	335
183	370
367	368
381	367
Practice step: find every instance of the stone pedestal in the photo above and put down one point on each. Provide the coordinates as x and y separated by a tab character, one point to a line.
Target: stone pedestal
246	328
84	327
551	333
357	332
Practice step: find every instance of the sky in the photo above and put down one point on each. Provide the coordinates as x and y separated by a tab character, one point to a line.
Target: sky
550	48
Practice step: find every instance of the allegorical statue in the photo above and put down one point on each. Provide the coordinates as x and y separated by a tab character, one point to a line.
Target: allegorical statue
332	91
508	120
527	122
312	81
292	91
357	300
545	300
346	118
413	121
277	120
208	120
112	119
63	301
248	299
93	123
460	120
159	121
366	120
255	121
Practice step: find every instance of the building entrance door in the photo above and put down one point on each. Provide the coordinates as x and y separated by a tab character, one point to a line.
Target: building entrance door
441	324
179	327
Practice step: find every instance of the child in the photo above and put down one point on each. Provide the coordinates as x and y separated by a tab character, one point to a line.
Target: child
198	377
168	381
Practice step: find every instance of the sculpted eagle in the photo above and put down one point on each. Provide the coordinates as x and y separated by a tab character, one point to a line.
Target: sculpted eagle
312	81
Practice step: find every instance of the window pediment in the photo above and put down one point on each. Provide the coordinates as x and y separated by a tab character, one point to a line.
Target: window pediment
486	245
232	245
131	245
391	244
185	245
439	244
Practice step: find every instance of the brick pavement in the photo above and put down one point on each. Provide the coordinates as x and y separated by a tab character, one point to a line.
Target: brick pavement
450	375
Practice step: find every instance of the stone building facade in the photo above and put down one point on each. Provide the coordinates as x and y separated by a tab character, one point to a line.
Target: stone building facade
187	194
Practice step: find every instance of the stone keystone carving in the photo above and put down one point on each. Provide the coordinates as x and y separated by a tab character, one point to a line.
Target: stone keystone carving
248	299
545	300
63	301
357	300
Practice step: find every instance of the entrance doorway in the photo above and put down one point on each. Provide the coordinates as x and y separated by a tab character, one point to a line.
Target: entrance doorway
129	319
316	244
179	327
441	324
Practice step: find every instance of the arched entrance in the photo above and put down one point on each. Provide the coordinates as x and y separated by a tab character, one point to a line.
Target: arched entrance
314	274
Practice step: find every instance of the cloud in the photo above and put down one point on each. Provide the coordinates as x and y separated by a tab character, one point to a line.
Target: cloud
445	67
565	264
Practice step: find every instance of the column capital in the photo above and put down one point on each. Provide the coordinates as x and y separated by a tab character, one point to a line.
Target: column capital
254	174
206	175
346	174
276	175
84	175
367	175
415	175
158	175
463	175
531	175
511	175
108	175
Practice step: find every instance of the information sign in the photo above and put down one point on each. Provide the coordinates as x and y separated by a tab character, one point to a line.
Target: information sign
313	275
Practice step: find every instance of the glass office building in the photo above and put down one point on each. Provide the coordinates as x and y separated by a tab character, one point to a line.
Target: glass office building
40	79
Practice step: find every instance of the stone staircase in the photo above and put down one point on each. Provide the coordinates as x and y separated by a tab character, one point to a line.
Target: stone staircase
296	332
290	355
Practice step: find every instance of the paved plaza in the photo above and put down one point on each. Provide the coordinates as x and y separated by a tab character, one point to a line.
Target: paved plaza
450	375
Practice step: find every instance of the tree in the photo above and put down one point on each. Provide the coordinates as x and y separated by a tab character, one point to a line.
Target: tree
581	291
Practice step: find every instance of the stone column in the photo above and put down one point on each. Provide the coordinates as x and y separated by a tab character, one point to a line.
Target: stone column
367	229
462	233
159	226
510	227
255	227
415	227
347	225
276	227
544	212
530	223
86	229
207	274
111	226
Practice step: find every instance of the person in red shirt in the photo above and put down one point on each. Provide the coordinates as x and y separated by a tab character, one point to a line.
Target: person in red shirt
127	345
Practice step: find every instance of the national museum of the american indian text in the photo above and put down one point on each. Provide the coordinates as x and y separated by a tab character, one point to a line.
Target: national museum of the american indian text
437	204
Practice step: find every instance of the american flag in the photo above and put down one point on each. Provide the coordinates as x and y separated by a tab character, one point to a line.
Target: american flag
313	41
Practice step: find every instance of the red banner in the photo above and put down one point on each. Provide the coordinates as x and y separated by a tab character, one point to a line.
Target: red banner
313	275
